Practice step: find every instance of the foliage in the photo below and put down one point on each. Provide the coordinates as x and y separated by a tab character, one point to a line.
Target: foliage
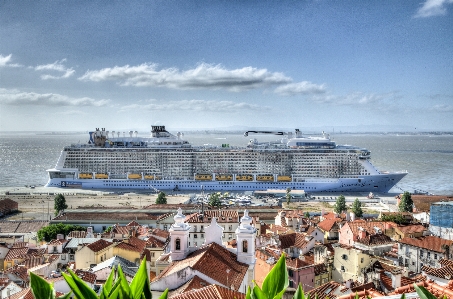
274	286
406	203
161	198
397	218
288	195
340	205
50	232
112	289
214	199
108	229
59	203
307	215
357	208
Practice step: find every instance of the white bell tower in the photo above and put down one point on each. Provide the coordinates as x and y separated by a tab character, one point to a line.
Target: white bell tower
179	237
245	238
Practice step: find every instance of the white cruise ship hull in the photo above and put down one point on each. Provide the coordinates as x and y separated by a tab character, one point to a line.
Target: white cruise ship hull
375	183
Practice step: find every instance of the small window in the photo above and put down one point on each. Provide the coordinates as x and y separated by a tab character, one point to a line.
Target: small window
178	244
421	253
435	256
361	260
290	273
245	246
345	257
342	268
195	236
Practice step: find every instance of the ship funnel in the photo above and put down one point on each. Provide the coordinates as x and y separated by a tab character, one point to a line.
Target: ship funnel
130	133
136	133
113	134
107	134
118	134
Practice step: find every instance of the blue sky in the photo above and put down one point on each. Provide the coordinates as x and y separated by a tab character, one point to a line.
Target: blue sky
75	66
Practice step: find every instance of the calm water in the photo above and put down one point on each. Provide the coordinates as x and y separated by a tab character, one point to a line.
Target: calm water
24	157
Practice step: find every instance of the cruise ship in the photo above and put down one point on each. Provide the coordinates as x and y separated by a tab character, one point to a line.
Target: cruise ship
165	161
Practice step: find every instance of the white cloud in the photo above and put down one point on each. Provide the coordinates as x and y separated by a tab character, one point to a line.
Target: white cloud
205	76
16	98
433	8
304	87
195	105
382	101
56	66
442	108
5	61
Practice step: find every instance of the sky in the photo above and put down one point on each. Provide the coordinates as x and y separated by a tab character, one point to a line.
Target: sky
127	65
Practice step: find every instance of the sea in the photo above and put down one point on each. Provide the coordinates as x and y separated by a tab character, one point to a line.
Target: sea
428	158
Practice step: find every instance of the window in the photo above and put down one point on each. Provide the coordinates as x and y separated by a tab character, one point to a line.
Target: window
230	236
195	236
361	260
345	257
291	283
413	263
152	254
435	256
63	257
244	245
290	273
178	244
342	269
429	254
421	253
201	235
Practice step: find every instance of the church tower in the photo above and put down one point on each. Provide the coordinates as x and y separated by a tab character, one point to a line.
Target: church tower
245	239
179	237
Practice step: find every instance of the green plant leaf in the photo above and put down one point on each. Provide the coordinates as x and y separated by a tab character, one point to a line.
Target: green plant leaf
107	287
140	283
248	293
257	293
403	296
79	287
65	296
164	295
299	294
40	288
276	281
125	290
423	293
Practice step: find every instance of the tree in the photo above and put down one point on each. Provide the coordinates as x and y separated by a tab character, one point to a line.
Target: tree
397	218
214	200
59	204
357	208
51	231
340	205
307	215
288	195
406	203
161	198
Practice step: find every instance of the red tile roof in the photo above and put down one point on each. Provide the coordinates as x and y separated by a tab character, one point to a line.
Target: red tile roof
210	292
435	289
127	246
99	245
212	260
86	276
432	243
324	291
299	240
152	242
56	242
375	239
328	224
16	253
221	216
411	229
159	233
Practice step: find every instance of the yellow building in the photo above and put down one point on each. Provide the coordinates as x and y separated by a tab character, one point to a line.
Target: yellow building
94	253
349	262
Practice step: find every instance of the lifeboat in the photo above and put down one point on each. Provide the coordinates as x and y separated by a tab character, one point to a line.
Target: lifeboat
265	178
149	176
244	177
134	176
283	178
224	177
85	175
203	177
101	176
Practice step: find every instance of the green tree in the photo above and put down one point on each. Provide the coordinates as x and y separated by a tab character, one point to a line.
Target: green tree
50	232
288	195
406	203
307	215
357	208
340	205
214	199
397	218
161	198
59	203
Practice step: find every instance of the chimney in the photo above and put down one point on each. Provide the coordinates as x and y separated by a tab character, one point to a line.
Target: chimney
347	217
396	280
352	215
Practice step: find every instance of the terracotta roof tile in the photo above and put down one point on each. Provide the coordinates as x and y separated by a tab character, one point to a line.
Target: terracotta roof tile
375	239
328	224
325	291
432	243
159	233
411	229
99	245
213	261
152	242
16	253
127	246
210	292
86	276
225	216
57	242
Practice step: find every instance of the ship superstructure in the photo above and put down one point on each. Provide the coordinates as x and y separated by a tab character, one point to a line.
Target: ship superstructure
165	161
